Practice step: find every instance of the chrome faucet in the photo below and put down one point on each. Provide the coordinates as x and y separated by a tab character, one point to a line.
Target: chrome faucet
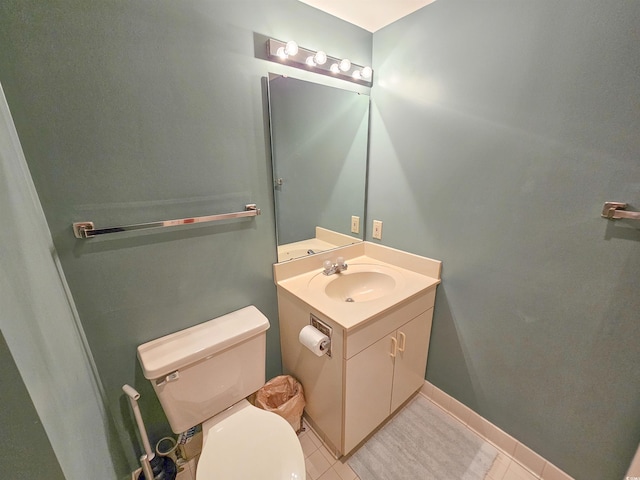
331	268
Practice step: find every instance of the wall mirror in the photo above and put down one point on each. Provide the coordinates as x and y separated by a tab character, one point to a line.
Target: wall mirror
319	152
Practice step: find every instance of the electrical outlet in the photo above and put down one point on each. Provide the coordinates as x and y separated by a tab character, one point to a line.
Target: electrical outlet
355	224
377	229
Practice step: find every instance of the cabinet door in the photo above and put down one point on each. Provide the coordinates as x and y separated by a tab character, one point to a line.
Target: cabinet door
369	376
411	360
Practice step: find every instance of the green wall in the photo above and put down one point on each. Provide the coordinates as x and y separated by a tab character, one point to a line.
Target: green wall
23	436
43	334
499	130
139	111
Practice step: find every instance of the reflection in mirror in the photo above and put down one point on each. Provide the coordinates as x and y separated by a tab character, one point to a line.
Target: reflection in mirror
319	153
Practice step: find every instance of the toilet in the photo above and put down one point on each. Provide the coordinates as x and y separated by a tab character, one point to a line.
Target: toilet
203	375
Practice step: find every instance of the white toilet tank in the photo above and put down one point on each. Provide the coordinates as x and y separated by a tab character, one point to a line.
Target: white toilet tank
200	371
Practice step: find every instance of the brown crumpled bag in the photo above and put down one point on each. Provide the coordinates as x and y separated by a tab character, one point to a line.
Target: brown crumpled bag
283	395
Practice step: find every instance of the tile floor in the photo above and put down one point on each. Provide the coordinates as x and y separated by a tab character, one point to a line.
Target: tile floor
322	466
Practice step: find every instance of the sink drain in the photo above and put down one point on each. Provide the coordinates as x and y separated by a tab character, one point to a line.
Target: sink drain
350	300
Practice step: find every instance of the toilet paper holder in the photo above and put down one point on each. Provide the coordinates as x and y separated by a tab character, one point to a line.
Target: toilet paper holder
318	324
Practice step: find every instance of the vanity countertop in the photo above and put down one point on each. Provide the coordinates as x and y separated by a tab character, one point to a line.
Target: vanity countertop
403	276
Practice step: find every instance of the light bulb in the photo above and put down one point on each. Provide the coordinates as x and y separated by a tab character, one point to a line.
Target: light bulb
309	61
345	64
356	74
367	73
291	48
320	57
281	53
334	68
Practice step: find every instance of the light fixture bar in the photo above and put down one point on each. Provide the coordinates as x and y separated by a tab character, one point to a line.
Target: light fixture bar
289	53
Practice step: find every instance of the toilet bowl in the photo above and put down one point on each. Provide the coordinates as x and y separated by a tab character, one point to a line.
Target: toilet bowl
202	375
245	442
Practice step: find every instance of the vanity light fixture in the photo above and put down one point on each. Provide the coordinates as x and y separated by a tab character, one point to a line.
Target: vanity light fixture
290	53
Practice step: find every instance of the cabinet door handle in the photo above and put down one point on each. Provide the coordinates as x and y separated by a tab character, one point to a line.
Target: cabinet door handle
403	341
394	347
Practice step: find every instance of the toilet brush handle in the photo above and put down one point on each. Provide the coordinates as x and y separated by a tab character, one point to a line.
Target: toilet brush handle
133	395
146	467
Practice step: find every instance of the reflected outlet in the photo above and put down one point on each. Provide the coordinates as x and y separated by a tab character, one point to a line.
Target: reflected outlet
377	229
355	224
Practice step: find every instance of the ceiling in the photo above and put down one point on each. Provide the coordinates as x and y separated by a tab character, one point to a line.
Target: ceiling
371	15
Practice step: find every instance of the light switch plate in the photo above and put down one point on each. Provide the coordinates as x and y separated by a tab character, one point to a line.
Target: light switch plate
355	224
377	229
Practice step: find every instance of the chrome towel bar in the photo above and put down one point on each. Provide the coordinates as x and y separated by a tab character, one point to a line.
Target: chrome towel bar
616	210
88	230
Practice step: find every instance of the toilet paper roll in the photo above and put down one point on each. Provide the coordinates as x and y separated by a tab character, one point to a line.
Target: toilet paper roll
314	340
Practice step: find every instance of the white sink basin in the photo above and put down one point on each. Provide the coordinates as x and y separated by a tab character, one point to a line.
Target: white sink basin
357	284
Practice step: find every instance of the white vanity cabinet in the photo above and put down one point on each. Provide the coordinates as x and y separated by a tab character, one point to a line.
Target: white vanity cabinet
373	370
382	376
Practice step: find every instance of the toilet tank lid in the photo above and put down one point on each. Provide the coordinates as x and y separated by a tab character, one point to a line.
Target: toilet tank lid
167	354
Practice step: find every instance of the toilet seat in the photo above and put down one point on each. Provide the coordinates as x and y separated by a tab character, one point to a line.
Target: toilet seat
245	442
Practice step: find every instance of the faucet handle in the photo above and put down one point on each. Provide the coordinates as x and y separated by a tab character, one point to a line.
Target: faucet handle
341	263
327	266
